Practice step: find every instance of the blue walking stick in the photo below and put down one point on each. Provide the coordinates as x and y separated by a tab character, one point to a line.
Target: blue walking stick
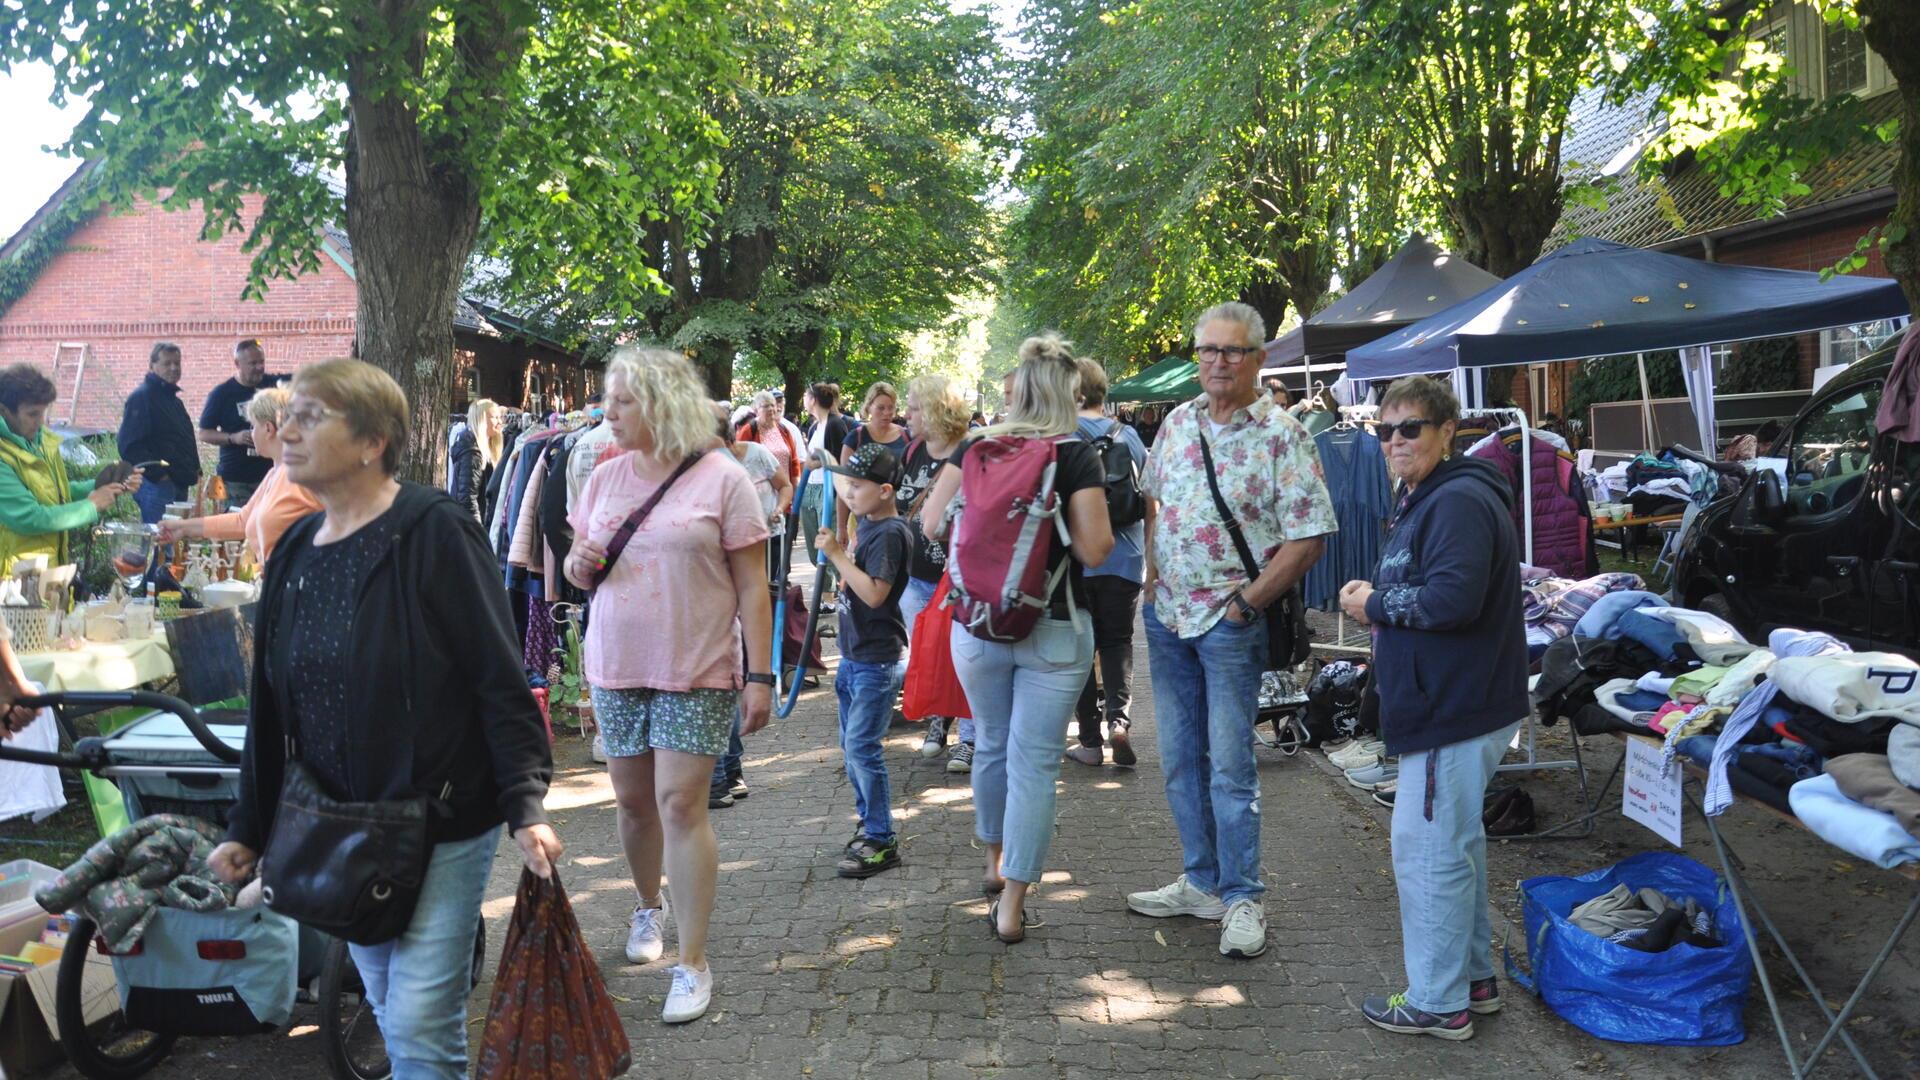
822	572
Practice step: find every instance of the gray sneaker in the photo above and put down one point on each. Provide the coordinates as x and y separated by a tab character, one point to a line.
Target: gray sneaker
960	758
1244	934
647	937
1371	777
1179	898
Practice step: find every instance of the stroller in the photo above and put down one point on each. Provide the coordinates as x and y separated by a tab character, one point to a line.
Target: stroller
231	972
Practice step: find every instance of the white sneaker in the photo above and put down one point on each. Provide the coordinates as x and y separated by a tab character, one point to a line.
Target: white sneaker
1244	934
1358	754
599	751
1179	898
692	993
647	938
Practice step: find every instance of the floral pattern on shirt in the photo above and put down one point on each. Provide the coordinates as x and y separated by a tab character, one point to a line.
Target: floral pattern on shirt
1270	475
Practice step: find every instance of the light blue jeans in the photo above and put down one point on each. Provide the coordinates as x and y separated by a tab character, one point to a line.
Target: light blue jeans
1206	696
866	693
418	983
1440	868
1022	696
912	602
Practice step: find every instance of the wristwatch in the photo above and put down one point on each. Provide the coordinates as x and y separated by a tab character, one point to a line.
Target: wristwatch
1239	600
764	678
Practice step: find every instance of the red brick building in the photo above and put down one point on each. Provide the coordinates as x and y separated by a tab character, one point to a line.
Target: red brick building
1681	209
112	284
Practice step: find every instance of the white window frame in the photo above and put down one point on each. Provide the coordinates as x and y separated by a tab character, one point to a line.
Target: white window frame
1842	346
1879	80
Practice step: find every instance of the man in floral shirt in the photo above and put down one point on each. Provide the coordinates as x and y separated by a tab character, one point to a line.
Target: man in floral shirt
1206	622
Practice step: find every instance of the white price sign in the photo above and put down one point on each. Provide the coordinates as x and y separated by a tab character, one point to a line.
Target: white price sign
1652	794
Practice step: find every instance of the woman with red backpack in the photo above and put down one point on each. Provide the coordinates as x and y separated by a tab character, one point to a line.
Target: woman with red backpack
1035	514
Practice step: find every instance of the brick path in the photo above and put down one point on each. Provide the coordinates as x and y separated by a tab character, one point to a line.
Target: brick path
898	976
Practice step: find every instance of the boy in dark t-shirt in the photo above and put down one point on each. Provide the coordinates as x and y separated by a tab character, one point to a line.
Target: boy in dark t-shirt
872	637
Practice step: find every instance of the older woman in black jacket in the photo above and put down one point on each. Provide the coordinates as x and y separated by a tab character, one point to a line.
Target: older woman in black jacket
385	663
1450	664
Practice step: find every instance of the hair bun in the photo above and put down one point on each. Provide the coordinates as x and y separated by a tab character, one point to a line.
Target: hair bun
1048	347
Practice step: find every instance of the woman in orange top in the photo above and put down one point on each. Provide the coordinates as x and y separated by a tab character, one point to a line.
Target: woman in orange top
276	504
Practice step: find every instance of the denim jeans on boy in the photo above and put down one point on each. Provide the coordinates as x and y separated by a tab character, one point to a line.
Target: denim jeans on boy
1440	868
1022	696
912	602
866	693
153	497
419	982
1206	693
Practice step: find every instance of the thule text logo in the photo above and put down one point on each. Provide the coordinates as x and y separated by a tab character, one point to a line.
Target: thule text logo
215	999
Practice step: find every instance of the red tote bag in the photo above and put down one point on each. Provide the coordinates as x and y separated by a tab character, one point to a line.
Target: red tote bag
551	1017
932	686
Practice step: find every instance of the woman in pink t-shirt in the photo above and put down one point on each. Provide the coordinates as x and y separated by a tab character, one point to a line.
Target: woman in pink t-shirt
665	672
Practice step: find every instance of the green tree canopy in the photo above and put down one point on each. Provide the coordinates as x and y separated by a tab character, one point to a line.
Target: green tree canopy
437	113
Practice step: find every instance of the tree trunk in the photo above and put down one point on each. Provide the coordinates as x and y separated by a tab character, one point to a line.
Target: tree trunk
1892	27
412	224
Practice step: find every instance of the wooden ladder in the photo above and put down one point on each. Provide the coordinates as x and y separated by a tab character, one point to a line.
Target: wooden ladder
71	356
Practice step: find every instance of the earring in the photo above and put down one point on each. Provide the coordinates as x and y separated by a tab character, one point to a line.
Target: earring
364	462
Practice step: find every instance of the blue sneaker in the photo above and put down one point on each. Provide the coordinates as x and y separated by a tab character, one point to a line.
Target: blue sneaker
1394	1014
1371	777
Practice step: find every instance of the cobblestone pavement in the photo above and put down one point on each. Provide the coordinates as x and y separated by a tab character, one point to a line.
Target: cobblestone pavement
898	976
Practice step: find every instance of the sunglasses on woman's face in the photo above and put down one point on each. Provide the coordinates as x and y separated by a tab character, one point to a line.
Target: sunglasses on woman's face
1409	429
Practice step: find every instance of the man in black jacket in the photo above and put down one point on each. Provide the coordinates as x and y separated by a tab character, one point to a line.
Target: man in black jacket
156	432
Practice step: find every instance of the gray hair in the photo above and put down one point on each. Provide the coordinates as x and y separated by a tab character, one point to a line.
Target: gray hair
1233	311
763	399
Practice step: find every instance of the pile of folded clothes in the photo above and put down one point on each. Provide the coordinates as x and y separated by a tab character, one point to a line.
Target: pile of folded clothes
1805	725
1553	606
1647	919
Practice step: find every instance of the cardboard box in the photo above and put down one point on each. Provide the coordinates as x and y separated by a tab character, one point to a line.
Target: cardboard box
29	1029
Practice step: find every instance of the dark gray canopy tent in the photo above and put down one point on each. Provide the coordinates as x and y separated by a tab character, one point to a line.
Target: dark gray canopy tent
1420	280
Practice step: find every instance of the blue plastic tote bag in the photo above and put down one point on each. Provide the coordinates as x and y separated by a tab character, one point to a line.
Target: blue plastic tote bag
1685	996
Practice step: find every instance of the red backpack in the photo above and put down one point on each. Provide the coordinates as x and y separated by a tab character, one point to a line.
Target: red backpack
997	563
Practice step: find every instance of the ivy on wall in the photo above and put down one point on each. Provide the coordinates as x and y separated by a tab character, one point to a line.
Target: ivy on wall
49	238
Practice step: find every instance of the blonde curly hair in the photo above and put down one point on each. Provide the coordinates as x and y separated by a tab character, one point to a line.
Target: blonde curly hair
940	407
669	397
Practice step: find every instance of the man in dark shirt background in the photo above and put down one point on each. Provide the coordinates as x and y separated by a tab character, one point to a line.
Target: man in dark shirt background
223	422
154	428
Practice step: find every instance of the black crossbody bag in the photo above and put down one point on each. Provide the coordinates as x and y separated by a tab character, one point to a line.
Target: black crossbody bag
351	870
1288	639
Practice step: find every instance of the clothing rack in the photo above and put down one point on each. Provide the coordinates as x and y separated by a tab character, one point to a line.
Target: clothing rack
1350	415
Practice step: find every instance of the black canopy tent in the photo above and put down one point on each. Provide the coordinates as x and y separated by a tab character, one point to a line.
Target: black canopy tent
1420	280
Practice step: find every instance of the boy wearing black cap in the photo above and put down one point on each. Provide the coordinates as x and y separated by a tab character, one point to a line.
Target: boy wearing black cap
873	635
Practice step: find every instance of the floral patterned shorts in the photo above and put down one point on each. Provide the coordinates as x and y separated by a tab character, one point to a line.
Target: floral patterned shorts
633	722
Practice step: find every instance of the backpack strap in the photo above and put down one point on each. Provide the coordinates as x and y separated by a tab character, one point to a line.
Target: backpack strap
628	527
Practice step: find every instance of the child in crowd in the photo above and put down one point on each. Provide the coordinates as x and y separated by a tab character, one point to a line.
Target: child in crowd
873	635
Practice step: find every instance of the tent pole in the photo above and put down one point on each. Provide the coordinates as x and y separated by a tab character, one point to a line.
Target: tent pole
1646	405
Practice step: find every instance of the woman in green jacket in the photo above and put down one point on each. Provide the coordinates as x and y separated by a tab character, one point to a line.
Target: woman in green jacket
39	505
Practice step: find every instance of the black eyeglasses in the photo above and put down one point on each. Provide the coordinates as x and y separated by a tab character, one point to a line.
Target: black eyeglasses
1232	354
1409	429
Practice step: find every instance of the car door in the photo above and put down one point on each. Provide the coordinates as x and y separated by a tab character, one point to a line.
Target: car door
1895	580
1811	567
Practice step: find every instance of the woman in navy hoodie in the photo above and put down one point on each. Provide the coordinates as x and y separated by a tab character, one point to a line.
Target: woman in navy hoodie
1450	664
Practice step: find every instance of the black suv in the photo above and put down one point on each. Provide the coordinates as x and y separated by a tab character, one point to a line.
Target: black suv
1836	547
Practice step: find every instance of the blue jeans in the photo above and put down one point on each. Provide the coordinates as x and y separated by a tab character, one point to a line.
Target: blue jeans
1440	868
727	765
418	984
1022	695
1206	694
866	693
153	497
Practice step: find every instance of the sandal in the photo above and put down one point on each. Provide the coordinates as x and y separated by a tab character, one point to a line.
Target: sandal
1027	922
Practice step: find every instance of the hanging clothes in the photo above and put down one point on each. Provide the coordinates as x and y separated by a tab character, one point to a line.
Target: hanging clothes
1562	530
1356	473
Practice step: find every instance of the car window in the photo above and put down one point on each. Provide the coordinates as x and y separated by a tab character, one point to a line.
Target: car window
1832	445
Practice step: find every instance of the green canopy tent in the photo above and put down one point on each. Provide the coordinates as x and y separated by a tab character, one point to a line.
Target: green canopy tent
1173	379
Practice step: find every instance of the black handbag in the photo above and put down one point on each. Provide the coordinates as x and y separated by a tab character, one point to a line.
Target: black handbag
351	870
1289	642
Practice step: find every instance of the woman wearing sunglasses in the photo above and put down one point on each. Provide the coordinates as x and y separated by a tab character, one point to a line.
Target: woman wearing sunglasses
1450	666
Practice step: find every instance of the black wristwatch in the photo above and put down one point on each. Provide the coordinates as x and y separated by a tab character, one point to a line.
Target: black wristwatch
1239	600
761	677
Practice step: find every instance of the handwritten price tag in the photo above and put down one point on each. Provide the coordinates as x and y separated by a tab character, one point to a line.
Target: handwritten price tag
1652	794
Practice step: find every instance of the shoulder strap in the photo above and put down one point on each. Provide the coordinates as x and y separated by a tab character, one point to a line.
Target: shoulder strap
1226	514
628	527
